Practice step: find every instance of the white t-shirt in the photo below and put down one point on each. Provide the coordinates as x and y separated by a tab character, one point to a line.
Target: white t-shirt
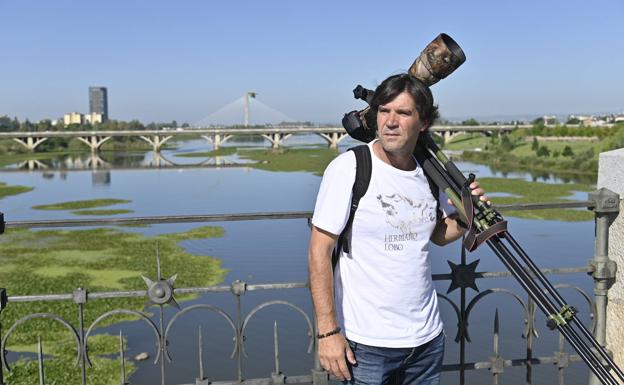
384	292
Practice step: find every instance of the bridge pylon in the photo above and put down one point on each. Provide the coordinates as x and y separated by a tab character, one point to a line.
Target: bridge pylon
276	139
334	138
30	142
94	141
217	140
156	141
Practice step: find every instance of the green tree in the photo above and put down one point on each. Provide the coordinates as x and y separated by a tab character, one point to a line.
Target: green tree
506	144
567	151
535	144
470	122
6	124
574	120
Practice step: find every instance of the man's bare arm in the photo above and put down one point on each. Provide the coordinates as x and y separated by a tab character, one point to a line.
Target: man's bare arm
332	349
447	231
321	278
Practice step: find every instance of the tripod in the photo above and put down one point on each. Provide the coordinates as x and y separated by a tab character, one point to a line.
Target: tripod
486	225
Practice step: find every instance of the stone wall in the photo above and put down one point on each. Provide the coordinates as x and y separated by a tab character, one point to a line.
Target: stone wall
611	176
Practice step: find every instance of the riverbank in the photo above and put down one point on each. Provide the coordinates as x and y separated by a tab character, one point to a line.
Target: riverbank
313	159
543	149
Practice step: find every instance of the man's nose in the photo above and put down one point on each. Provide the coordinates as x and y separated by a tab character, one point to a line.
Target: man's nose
393	120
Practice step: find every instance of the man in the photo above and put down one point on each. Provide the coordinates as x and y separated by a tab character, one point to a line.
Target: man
382	324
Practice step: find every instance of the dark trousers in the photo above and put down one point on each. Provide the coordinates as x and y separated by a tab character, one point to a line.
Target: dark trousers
420	365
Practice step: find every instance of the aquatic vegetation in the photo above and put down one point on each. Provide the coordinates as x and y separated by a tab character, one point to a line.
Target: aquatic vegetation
206	154
535	192
104	259
85	204
312	160
6	190
102	212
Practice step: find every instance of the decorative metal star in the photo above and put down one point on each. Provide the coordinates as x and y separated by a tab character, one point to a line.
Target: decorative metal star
463	276
160	292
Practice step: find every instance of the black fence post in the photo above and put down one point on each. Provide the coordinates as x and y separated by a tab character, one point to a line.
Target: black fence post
3	303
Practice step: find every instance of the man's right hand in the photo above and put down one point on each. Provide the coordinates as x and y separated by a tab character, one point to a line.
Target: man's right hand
334	351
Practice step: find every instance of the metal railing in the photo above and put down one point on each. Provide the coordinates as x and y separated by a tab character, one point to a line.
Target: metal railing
161	292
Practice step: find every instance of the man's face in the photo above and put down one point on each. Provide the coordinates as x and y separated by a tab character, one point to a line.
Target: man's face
398	125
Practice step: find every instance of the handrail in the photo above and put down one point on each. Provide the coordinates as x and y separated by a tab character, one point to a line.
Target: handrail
161	219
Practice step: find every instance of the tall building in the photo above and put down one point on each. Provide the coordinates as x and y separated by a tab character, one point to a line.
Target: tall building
73	118
98	102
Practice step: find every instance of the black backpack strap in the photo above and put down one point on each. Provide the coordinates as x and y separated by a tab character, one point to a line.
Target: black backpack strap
363	170
435	191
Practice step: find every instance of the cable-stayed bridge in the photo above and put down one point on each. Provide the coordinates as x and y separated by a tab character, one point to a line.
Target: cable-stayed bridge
246	110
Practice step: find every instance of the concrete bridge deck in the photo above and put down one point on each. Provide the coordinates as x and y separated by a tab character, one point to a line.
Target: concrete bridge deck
217	136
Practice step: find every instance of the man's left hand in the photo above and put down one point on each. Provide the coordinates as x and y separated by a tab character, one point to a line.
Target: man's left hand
478	191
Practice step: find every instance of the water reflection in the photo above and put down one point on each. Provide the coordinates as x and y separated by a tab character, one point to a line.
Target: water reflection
542	176
171	159
525	174
108	161
101	178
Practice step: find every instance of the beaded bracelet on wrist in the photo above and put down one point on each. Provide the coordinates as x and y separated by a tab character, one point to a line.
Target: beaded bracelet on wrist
329	333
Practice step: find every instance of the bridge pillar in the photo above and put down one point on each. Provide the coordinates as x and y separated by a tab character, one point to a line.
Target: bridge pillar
33	164
276	139
611	176
93	141
334	138
156	141
30	142
160	161
96	162
217	140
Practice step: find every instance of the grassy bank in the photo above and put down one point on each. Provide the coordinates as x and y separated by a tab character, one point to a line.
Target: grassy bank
84	204
10	158
223	151
313	159
7	190
102	212
576	169
522	191
522	149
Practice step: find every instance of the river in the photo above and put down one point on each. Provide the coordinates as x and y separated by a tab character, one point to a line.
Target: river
275	251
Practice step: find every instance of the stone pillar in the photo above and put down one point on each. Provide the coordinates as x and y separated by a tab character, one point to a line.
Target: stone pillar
611	176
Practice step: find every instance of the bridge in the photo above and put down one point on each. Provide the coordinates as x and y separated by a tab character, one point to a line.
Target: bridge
217	136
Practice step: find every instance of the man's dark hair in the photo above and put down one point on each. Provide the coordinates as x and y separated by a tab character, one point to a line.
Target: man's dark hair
396	84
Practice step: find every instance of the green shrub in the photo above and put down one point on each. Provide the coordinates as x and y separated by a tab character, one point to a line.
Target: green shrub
543	151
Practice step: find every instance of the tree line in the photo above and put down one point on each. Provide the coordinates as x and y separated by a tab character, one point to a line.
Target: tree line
15	125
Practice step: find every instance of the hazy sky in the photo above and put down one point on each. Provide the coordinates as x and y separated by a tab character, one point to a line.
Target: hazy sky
184	60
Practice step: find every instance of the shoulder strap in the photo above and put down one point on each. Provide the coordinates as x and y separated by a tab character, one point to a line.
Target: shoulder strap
363	170
435	191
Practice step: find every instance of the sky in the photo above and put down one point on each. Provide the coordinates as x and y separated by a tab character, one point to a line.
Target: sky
192	60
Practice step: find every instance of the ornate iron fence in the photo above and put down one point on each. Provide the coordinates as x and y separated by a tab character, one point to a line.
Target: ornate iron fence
161	291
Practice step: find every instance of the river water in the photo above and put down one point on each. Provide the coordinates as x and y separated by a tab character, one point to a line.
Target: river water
276	251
